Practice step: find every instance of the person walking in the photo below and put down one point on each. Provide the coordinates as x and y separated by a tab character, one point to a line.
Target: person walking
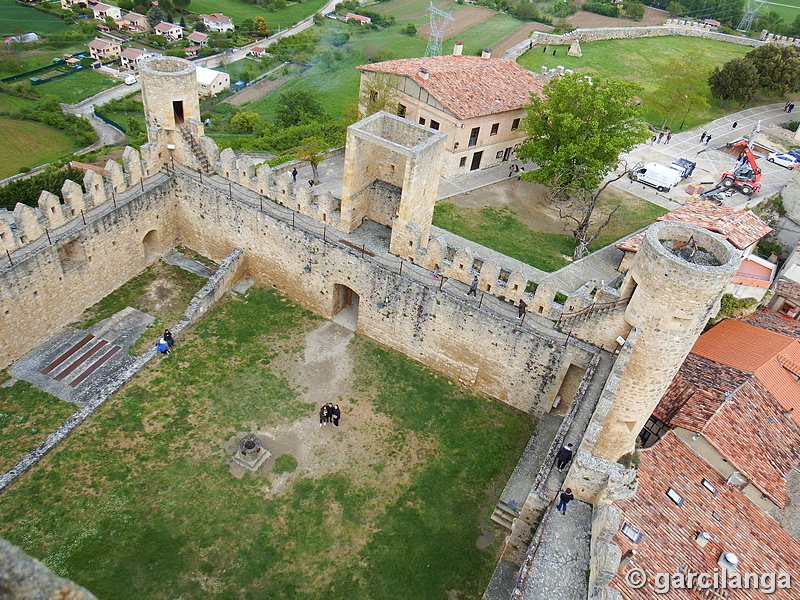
785	108
735	123
522	306
323	415
669	138
294	175
336	415
660	137
564	498
329	411
563	457
791	107
652	140
703	137
708	139
436	272
473	288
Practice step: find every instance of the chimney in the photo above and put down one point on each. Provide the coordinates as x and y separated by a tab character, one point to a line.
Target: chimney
458	48
486	54
423	73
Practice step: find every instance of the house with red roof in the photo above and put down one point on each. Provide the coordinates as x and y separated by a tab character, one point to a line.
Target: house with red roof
198	38
217	22
479	102
360	19
169	30
103	49
131	57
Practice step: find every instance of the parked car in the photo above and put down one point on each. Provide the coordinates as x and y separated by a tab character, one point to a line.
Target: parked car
784	160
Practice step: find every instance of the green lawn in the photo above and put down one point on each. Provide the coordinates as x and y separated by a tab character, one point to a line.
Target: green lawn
411	10
642	60
239	11
788	9
77	87
140	503
483	35
15	17
28	144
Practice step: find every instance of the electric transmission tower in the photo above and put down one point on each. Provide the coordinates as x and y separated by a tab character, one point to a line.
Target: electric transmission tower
439	21
749	12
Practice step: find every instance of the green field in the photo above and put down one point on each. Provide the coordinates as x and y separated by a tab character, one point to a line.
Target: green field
641	60
16	17
483	35
28	144
788	9
78	86
239	11
141	503
411	10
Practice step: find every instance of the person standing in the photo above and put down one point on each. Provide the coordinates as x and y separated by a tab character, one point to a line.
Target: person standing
660	137
669	138
652	140
563	457
323	415
522	307
473	288
735	123
708	139
336	415
436	272
329	418
294	175
703	137
785	108
564	498
791	107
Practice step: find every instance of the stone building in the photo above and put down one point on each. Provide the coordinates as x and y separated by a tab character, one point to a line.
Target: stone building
478	103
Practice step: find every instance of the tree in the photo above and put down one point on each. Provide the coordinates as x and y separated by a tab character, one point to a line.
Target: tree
246	122
298	106
312	150
378	92
575	135
737	80
778	67
675	8
260	26
682	86
635	11
154	16
409	29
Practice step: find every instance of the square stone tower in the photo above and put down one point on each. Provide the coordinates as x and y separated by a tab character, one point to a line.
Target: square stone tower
392	169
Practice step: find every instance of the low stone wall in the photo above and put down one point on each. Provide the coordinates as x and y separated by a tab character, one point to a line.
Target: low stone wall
214	289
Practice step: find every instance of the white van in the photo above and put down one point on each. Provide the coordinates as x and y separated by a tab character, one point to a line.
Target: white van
661	177
130	80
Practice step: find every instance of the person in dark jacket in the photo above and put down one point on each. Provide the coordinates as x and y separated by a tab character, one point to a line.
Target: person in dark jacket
565	498
563	457
323	415
336	415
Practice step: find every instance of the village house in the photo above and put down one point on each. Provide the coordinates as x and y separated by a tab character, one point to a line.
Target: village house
360	19
211	82
217	22
68	4
198	38
135	22
169	30
103	50
258	52
478	102
131	57
101	11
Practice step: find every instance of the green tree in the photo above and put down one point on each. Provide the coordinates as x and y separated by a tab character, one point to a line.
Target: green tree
778	67
246	122
736	80
378	92
298	106
409	29
682	86
675	8
312	150
260	26
635	11
155	15
576	134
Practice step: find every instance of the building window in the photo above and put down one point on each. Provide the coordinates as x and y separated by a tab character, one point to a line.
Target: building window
675	497
473	136
373	97
421	121
514	124
401	110
462	162
495	127
435	125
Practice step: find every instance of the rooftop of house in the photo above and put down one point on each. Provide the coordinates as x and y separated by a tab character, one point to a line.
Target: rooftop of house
101	7
197	36
468	86
207	76
772	321
99	44
742	228
788	289
164	26
133	17
668	530
132	53
218	17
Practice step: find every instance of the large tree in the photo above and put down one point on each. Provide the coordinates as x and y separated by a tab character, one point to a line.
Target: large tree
778	67
298	106
736	80
575	135
682	86
312	150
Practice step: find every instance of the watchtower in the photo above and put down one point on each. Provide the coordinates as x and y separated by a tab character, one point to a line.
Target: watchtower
675	285
172	113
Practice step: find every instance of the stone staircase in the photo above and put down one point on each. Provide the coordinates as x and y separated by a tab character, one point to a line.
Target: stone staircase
81	360
205	165
592	311
504	514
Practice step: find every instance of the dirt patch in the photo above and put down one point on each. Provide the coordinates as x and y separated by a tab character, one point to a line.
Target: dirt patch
652	16
465	17
255	91
523	32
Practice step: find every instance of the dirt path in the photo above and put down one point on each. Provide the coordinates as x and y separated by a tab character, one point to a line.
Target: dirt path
255	91
583	19
465	17
523	32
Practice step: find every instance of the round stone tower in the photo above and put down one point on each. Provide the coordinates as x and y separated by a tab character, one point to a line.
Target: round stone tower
677	278
169	92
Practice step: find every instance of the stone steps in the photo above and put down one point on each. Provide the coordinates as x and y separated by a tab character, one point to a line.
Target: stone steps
504	515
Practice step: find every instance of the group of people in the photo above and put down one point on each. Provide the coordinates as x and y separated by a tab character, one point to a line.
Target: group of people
789	107
165	342
705	137
565	497
329	413
667	137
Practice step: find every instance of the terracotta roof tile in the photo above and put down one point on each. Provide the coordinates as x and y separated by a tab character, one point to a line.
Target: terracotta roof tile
740	227
761	544
468	86
632	243
788	289
773	321
736	344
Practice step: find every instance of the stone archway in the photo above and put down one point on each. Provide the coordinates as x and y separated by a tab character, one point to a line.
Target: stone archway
151	244
345	306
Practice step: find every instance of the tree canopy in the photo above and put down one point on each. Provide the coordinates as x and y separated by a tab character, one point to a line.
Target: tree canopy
736	80
682	85
298	106
778	67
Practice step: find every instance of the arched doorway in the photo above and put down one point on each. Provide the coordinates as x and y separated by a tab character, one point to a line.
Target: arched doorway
345	307
151	244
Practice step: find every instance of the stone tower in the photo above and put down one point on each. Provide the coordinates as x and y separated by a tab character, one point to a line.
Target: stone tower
675	285
172	112
391	175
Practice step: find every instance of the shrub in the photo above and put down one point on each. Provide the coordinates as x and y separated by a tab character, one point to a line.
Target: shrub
560	298
767	248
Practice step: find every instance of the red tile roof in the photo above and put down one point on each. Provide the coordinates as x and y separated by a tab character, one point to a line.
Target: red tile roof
761	544
468	86
773	321
740	227
788	289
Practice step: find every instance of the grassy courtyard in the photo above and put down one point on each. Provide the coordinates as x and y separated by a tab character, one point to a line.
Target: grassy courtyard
142	501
